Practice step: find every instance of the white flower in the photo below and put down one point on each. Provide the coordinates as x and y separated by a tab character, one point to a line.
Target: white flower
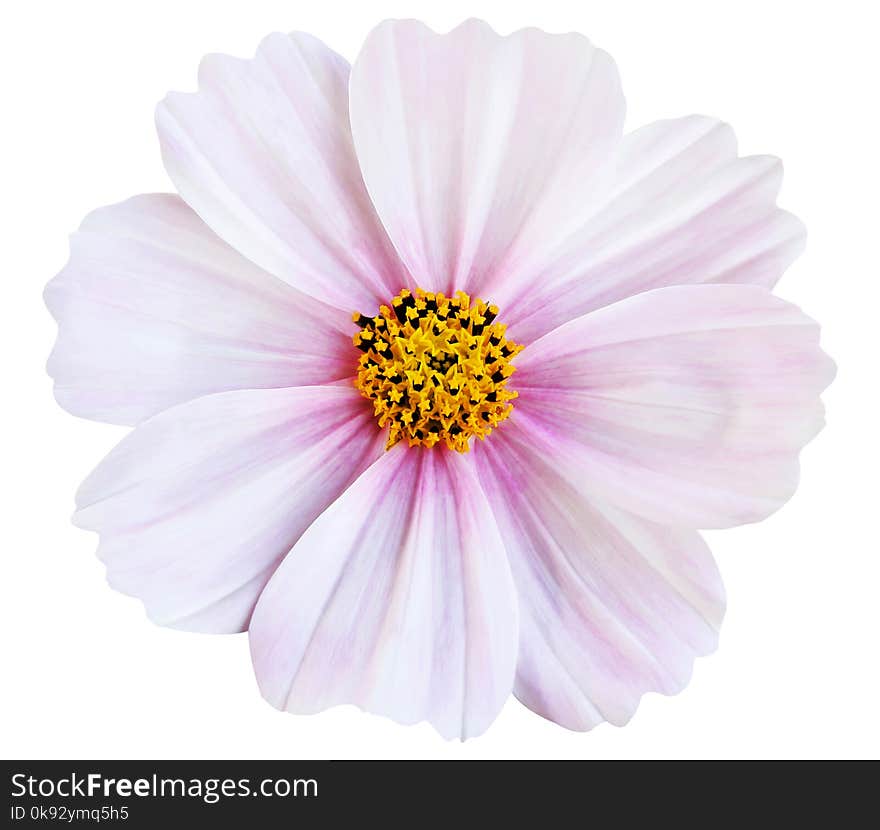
628	380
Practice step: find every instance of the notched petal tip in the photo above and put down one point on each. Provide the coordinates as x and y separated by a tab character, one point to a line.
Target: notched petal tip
153	309
611	606
175	501
398	599
683	404
262	152
481	151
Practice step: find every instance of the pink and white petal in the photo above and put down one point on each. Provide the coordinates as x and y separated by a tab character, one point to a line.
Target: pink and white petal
611	606
398	599
480	152
153	309
197	506
687	405
685	209
263	153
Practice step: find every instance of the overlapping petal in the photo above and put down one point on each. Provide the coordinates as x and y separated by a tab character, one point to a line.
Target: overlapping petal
153	309
684	209
198	505
686	405
398	598
481	152
263	153
611	606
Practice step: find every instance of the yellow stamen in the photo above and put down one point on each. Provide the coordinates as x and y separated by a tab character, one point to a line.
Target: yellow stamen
436	368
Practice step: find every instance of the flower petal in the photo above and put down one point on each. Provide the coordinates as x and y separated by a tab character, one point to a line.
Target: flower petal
481	151
197	506
687	405
398	599
611	606
153	309
684	209
263	153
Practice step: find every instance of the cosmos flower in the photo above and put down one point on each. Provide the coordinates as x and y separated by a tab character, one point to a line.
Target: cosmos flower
435	374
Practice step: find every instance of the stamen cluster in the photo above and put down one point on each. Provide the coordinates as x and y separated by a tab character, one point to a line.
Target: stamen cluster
436	368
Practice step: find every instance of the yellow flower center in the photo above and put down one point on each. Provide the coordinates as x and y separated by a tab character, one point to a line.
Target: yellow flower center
435	368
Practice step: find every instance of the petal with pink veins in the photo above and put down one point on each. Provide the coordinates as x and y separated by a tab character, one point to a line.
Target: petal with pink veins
481	152
197	506
399	599
153	309
684	209
263	153
611	606
687	405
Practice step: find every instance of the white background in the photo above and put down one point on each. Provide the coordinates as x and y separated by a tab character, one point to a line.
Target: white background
85	674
